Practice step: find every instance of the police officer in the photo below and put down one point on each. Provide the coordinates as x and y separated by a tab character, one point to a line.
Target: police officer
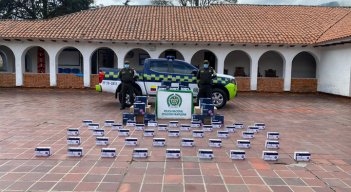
204	77
128	77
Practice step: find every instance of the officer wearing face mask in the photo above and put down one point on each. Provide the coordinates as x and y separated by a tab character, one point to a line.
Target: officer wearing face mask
128	77
204	77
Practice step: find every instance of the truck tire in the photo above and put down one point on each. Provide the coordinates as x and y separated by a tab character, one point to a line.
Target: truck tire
135	91
219	98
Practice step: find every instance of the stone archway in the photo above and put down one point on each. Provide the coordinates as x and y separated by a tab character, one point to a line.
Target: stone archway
238	64
7	67
172	52
201	55
303	73
270	72
70	66
136	57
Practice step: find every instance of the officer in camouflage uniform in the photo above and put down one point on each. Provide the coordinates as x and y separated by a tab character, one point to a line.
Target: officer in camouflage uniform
204	77
127	76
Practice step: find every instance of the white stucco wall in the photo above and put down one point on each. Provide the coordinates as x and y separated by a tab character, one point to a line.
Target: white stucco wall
154	50
334	70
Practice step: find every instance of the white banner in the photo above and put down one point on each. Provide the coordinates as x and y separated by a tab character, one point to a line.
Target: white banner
174	104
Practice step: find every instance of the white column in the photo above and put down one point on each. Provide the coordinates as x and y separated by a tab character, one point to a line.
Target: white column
19	67
87	68
53	68
120	55
220	64
287	73
253	72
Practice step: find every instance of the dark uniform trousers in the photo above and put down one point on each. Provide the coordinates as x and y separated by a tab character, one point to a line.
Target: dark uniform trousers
205	91
205	77
127	88
127	77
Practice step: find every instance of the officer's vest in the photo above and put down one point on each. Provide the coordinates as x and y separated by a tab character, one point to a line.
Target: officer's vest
127	75
205	76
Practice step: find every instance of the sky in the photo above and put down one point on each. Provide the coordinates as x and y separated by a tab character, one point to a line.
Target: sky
265	2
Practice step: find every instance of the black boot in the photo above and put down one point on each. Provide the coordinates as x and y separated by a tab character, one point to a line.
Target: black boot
122	107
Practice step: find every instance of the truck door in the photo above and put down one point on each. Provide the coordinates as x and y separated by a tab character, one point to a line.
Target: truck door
157	72
182	71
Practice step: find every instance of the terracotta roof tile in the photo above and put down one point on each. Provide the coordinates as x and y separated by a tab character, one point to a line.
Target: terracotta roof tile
219	23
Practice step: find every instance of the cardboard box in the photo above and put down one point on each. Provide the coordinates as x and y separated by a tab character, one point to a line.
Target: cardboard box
197	110
237	154
148	109
139	109
139	119
128	116
205	101
42	151
141	99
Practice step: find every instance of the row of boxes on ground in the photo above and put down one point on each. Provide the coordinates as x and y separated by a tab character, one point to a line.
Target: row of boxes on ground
249	134
130	118
174	153
185	142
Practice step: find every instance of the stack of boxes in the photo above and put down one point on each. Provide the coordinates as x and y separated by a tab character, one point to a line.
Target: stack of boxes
206	114
139	113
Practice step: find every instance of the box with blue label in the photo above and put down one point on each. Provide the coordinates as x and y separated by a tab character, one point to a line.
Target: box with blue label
139	108
207	109
184	88
197	117
141	99
149	117
167	84
205	101
184	83
218	118
128	116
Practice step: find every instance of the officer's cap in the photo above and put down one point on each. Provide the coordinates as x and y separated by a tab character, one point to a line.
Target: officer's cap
205	62
126	62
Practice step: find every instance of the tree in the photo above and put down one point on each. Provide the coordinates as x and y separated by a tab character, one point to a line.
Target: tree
161	2
7	7
40	9
126	2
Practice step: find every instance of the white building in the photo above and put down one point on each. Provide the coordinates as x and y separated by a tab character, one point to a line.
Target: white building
267	48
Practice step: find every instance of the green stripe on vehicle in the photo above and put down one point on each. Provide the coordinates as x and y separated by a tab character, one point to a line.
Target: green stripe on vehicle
231	90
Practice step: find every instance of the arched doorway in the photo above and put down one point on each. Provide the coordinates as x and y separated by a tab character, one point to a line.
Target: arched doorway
136	57
70	68
7	60
199	57
303	73
7	67
238	64
36	60
270	72
303	66
36	67
103	57
172	52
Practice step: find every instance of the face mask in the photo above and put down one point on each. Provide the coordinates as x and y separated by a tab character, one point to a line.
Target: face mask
205	66
126	65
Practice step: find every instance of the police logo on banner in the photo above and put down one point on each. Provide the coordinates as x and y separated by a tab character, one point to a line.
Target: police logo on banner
174	101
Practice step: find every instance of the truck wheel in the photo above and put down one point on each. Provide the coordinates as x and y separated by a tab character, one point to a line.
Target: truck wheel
128	102
219	98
